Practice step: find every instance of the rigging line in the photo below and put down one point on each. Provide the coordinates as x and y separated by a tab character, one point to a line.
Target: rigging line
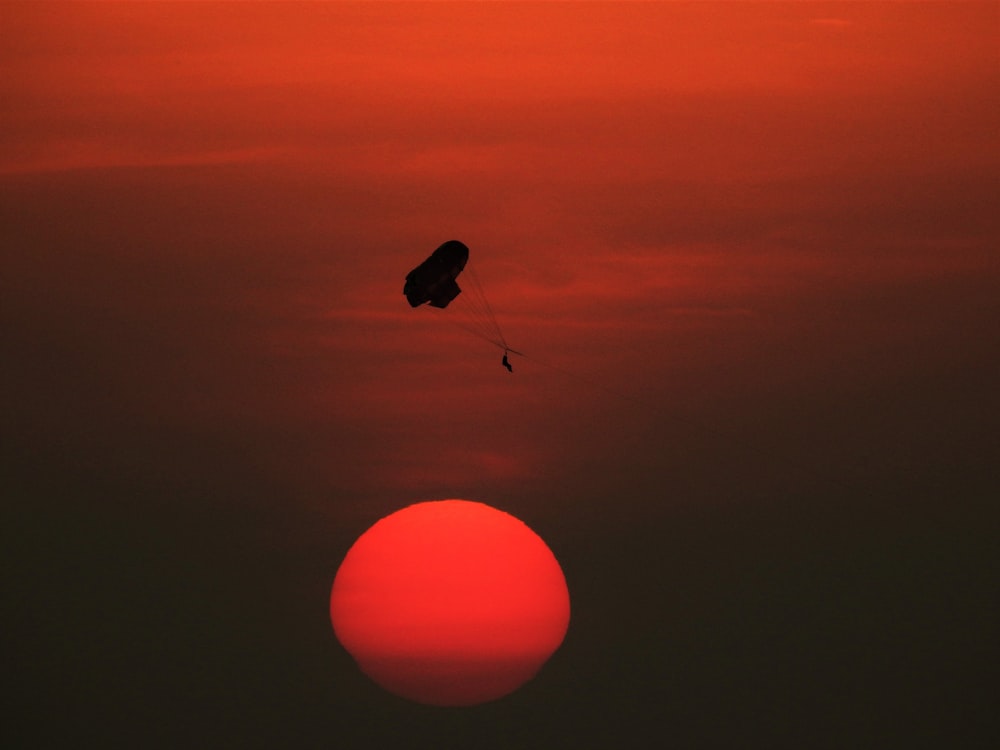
489	309
471	300
476	327
477	319
479	315
478	333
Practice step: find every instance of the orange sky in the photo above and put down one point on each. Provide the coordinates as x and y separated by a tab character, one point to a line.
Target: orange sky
748	249
633	181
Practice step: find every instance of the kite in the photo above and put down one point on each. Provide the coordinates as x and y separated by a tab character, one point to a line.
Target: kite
435	282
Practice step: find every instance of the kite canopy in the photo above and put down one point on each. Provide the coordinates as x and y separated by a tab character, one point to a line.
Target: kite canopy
433	281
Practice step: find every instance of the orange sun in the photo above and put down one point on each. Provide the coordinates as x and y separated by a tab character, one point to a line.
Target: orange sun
450	603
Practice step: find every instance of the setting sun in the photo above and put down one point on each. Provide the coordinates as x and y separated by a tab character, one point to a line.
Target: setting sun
450	603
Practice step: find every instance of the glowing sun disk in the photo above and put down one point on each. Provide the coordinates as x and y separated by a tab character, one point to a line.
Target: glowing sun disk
450	602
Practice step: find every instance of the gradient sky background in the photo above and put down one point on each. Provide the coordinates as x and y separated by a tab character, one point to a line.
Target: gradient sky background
749	252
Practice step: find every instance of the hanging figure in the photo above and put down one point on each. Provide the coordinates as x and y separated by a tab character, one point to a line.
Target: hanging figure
506	363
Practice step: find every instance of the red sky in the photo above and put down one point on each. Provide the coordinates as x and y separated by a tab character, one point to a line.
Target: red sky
749	251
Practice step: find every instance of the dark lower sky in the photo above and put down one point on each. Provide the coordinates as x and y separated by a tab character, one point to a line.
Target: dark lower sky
748	252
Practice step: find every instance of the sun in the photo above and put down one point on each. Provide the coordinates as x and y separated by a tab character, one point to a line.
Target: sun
450	603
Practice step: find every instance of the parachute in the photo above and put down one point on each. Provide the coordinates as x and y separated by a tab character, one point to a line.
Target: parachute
434	282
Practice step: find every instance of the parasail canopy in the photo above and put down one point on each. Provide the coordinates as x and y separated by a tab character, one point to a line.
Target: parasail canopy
434	283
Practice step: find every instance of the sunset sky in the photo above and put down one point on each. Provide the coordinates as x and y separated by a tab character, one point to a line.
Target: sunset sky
749	252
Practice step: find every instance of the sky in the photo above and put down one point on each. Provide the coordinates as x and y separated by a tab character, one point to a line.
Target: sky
748	254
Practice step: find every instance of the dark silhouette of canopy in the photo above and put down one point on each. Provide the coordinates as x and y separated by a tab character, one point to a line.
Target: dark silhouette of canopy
433	281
